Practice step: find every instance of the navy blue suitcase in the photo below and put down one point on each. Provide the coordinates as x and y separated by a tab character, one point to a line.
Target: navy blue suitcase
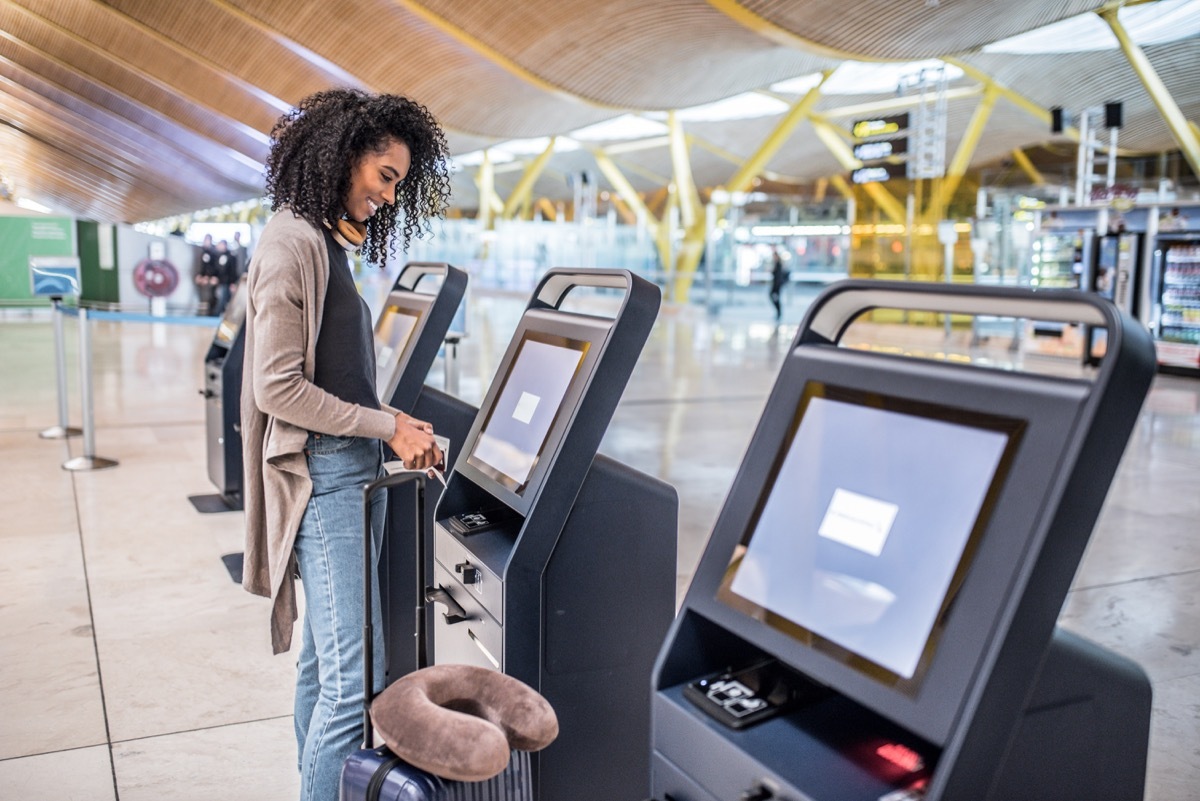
376	774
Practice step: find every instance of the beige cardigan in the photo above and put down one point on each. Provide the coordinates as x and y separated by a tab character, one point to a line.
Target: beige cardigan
280	406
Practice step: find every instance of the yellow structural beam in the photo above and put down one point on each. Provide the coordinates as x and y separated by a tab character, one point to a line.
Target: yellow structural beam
843	186
521	193
547	208
1185	134
737	160
897	103
492	54
625	190
822	186
681	166
486	181
966	149
623	211
745	175
1022	161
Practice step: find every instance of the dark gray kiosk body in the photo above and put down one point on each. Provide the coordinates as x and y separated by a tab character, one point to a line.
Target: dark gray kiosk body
408	334
552	564
880	591
411	327
222	408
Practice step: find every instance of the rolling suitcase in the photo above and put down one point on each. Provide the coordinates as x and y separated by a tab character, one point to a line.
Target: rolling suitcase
376	774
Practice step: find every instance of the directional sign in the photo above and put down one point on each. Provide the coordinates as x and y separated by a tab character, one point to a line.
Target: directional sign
877	174
880	126
873	151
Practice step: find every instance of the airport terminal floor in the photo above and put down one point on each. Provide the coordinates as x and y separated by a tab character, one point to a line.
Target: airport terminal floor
133	668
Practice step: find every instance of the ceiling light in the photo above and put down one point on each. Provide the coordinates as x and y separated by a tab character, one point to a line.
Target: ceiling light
747	105
33	205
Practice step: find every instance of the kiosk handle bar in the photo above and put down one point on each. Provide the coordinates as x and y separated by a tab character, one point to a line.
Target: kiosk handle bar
557	282
414	271
837	307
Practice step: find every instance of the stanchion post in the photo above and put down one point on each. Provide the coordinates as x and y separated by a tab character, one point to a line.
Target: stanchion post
89	460
63	429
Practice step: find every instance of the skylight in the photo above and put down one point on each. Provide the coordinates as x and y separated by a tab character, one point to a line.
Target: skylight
1148	24
627	126
747	105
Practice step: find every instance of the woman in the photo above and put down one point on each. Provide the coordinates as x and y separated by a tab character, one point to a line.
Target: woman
345	169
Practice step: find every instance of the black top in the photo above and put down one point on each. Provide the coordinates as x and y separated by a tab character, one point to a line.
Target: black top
345	361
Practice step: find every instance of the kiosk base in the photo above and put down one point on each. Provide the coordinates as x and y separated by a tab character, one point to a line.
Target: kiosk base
211	504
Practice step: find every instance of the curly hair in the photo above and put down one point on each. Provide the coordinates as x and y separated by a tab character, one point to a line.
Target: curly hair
315	146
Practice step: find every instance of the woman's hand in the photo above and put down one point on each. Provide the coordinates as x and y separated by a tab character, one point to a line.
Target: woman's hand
413	443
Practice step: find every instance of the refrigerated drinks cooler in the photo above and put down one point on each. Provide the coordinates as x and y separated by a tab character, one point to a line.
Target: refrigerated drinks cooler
1114	277
1060	261
1175	302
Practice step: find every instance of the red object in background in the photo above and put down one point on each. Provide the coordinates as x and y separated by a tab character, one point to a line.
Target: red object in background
155	278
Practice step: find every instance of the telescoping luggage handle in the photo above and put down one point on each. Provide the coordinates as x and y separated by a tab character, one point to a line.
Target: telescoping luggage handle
414	271
557	282
837	307
369	489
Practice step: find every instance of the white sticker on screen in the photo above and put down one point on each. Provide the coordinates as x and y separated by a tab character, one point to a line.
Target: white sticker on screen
858	521
526	406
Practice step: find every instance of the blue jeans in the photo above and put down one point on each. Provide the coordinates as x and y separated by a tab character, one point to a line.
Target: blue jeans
329	551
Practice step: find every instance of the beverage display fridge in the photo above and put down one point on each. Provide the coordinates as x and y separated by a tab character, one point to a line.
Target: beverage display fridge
1060	260
1175	302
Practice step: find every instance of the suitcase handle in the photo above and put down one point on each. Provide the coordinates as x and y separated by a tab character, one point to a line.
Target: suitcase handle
369	489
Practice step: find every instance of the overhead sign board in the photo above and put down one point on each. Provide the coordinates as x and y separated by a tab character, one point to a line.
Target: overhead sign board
880	126
873	151
877	174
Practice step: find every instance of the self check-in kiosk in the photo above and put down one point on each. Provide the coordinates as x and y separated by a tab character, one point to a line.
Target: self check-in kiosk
411	327
552	564
873	618
222	408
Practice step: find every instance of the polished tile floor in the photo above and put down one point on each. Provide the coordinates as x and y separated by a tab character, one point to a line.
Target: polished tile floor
132	668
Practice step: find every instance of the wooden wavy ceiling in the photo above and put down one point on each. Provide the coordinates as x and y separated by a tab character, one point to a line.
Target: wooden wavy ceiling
126	110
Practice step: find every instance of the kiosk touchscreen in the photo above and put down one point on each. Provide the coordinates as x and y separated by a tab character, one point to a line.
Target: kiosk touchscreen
543	551
222	407
874	615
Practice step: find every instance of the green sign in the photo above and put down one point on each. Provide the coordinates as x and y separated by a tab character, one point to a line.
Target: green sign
24	237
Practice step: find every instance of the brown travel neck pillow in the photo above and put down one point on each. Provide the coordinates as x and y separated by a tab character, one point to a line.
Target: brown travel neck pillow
460	721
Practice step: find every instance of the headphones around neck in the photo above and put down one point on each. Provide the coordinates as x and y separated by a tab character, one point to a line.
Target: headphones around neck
350	234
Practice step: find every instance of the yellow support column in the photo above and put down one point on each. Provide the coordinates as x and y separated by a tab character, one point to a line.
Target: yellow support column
940	199
625	190
681	166
1185	135
1022	161
487	188
744	177
523	190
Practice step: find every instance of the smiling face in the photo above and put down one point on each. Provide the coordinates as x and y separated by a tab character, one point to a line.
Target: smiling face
374	178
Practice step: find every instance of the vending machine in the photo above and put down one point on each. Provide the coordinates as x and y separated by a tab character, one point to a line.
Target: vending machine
1114	277
1175	302
1060	260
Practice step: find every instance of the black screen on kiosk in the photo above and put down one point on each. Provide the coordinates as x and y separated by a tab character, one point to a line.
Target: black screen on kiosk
866	527
513	435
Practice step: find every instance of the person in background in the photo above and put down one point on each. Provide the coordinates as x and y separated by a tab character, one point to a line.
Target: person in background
227	274
779	279
206	277
347	170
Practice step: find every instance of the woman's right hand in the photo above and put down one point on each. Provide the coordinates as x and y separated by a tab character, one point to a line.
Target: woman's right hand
414	446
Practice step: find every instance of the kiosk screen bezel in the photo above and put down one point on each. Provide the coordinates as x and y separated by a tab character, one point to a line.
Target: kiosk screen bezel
991	585
413	304
553	328
903	681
